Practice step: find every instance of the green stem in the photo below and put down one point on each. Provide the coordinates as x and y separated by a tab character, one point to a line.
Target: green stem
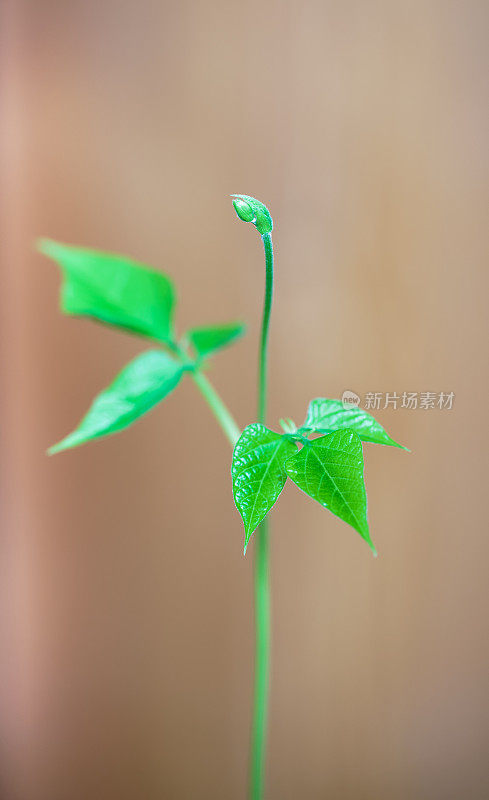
218	408
267	307
262	661
212	398
262	580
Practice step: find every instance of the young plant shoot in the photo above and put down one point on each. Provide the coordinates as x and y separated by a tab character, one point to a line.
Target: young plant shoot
323	457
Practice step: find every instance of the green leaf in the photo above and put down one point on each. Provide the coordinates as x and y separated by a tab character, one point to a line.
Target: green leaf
114	289
258	473
330	470
208	339
324	416
141	384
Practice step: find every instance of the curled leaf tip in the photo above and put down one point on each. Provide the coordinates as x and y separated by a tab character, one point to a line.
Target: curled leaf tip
249	209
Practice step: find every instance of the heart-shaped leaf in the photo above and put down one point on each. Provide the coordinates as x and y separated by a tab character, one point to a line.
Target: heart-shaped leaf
330	470
208	339
141	384
114	289
258	473
324	416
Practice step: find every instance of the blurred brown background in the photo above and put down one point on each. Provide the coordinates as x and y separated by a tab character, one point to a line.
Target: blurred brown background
126	604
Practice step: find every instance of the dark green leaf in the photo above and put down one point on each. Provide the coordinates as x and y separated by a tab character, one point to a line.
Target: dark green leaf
206	340
114	289
140	385
330	470
258	473
324	416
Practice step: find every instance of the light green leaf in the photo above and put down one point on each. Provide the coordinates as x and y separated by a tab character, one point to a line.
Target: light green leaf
141	384
258	473
114	289
208	339
330	470
324	416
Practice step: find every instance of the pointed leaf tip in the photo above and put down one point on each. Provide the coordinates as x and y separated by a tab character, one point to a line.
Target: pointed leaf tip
42	245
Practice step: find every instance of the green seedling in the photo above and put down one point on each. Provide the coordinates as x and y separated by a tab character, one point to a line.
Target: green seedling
323	457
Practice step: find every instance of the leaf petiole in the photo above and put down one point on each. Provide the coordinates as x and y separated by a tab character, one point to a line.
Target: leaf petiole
211	396
217	406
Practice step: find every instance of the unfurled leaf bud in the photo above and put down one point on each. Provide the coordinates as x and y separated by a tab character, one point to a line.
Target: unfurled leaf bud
251	210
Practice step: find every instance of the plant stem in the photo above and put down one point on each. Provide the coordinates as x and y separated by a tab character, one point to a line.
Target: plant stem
262	581
262	662
267	307
217	406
